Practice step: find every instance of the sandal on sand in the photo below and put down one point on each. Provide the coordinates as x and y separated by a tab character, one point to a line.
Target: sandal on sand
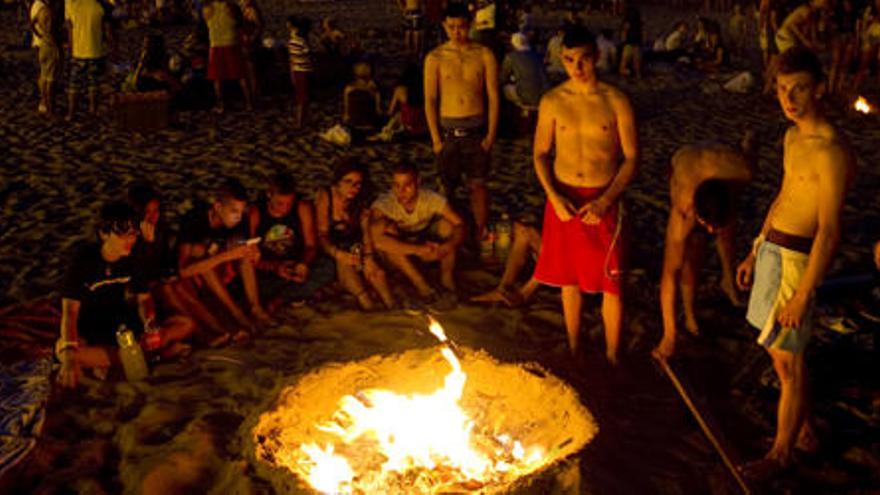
763	469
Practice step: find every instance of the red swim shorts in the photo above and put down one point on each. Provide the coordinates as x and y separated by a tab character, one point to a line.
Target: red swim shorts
225	64
574	253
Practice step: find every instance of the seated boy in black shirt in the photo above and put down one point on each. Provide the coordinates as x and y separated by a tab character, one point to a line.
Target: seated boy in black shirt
288	261
213	248
94	303
155	259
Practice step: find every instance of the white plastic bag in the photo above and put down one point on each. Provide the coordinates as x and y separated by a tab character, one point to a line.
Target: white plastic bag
741	83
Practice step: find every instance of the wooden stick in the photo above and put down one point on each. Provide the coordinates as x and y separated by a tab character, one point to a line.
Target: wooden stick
704	426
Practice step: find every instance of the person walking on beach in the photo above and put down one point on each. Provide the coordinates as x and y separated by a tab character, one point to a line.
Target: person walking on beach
224	58
43	22
94	303
702	190
461	107
794	248
590	127
88	26
251	36
300	66
414	31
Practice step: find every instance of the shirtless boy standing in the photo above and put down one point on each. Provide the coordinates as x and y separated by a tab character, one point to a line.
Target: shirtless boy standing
701	189
593	129
795	246
461	77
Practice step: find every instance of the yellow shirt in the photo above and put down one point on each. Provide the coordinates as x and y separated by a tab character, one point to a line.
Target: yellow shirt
86	19
221	25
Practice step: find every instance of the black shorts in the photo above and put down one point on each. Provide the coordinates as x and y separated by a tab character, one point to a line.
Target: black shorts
462	156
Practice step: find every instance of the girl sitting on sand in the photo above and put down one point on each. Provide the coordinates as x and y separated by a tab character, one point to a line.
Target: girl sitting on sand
151	73
406	111
361	100
343	218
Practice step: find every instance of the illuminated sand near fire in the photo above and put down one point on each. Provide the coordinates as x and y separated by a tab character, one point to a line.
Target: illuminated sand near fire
507	402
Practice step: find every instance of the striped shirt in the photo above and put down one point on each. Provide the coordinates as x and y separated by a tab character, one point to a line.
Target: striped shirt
298	50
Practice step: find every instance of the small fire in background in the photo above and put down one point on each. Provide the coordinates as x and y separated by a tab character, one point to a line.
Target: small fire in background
861	105
479	430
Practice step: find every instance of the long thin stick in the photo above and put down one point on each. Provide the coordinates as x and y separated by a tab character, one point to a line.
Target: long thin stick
704	426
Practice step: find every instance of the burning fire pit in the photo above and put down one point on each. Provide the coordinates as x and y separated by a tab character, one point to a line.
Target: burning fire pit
423	421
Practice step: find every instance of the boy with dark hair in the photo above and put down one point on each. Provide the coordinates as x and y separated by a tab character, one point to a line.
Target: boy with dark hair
701	191
213	248
794	248
413	221
94	303
461	108
286	225
585	154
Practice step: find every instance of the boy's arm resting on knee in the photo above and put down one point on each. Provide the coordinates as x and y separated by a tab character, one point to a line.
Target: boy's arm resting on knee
452	217
380	227
188	267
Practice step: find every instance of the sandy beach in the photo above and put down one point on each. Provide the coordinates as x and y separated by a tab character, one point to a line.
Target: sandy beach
188	428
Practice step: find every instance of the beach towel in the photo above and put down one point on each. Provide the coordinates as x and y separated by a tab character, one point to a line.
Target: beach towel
778	272
24	391
27	336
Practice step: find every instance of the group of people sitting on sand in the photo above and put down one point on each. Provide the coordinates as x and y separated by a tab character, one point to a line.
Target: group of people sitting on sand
236	262
233	263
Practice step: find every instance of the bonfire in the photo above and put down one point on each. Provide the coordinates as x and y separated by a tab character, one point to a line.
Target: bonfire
438	420
861	105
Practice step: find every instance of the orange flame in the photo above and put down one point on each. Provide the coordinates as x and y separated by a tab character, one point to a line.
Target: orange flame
412	432
862	105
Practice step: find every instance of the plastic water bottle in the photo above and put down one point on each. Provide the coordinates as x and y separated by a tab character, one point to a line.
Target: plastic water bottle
152	340
131	355
503	235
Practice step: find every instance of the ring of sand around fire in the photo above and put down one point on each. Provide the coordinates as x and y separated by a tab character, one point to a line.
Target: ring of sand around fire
519	420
